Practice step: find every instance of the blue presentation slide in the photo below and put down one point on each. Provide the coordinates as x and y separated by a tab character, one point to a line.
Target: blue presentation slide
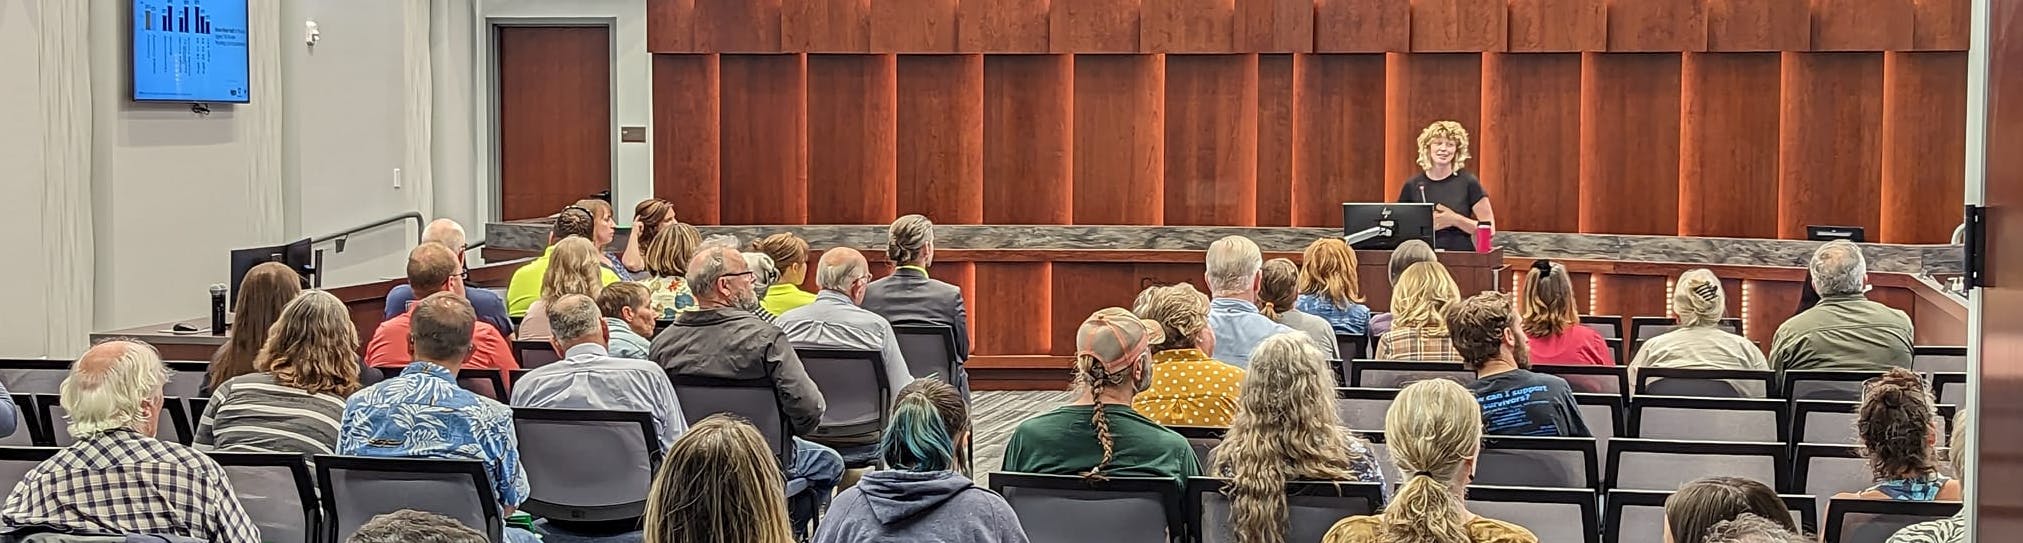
190	51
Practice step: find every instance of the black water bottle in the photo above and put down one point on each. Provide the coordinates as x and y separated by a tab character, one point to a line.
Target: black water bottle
218	309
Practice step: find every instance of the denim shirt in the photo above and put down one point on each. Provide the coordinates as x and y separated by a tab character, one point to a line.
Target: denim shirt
423	414
1354	319
1238	328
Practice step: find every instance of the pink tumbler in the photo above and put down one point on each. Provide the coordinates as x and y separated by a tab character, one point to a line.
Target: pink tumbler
1483	233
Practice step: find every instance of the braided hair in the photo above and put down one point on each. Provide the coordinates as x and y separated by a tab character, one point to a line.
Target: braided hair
1089	373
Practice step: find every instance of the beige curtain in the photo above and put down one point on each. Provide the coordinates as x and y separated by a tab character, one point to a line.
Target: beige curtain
417	107
65	59
265	118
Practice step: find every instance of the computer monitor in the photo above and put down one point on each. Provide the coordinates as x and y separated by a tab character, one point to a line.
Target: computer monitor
1817	232
1405	221
297	256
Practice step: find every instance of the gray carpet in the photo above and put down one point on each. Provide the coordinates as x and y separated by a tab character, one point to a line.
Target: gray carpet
995	413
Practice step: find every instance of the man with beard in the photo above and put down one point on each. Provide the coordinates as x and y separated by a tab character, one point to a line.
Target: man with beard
1098	435
719	339
1515	401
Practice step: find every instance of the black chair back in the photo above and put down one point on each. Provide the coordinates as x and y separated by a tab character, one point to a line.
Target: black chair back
587	464
1365	373
1203	439
1062	508
1352	346
756	400
1363	409
1651	464
853	385
1935	358
173	426
277	491
930	349
1706	383
1823	422
186	378
16	462
27	424
1591	379
1862	521
1549	462
33	376
357	488
1609	326
1710	419
1547	512
1824	470
1312	507
1638	516
1949	387
534	354
1837	386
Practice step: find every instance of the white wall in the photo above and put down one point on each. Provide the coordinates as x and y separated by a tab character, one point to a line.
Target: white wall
22	286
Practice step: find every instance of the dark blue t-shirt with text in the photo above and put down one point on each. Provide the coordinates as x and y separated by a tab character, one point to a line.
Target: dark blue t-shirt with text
1523	403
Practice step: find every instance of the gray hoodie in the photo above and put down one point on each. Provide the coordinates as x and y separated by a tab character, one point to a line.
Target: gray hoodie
909	506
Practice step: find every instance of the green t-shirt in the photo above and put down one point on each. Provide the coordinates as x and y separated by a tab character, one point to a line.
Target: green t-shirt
1063	442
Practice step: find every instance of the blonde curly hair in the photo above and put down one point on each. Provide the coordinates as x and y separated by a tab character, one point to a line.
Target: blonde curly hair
1180	310
1444	130
1285	429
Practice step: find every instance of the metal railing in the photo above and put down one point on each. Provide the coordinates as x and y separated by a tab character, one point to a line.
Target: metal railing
340	237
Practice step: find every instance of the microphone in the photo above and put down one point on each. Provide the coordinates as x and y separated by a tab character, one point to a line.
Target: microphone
1422	193
218	309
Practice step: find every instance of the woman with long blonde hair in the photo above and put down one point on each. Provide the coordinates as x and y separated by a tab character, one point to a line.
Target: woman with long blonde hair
667	259
1329	287
719	483
1434	431
1552	323
1285	430
575	267
262	293
1418	332
1459	203
293	405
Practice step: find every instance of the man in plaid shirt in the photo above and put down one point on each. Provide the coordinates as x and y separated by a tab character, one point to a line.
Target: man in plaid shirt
117	479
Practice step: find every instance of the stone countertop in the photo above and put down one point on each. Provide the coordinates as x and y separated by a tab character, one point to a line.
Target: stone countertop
532	235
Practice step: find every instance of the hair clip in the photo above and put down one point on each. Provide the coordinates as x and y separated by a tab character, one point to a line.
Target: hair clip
1543	265
1706	291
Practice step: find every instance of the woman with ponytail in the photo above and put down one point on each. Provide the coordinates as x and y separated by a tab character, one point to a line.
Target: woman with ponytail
1553	325
1418	331
1899	429
1434	430
1098	435
924	497
1699	342
1285	430
1277	297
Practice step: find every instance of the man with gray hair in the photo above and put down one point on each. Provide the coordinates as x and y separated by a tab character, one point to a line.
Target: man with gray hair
1846	331
117	478
491	307
833	320
588	377
411	526
910	297
1235	266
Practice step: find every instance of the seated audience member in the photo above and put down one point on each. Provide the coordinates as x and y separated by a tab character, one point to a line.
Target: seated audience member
411	526
1188	388
909	296
308	367
1235	269
1700	342
491	307
1515	401
718	484
266	288
764	275
667	259
647	219
923	497
605	231
1286	430
1899	430
1402	258
1846	331
1552	325
117	478
1330	289
573	269
833	320
1420	332
590	377
628	315
525	288
422	413
431	270
1951	529
1277	294
1098	435
790	255
1700	505
1434	432
1748	528
719	340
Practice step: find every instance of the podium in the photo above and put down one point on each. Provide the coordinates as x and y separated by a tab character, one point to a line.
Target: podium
1473	273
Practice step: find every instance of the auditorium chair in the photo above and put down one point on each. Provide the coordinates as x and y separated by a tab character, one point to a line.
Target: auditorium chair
1312	507
1874	521
1823	422
1949	387
1590	379
1605	417
1652	464
1642	329
1609	326
1363	408
858	396
186	378
1558	515
758	402
1839	386
173	426
357	488
1352	346
534	354
1706	383
27	423
587	465
929	349
1548	462
276	491
34	376
1638	516
1936	358
489	383
1709	419
1824	470
1382	455
15	463
1365	373
1203	439
1072	509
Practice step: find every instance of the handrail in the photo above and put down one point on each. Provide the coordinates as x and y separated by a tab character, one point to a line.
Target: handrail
339	237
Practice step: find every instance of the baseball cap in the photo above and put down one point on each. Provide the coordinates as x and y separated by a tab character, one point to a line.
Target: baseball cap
1116	338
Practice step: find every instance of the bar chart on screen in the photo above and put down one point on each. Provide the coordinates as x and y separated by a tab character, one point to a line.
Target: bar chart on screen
190	50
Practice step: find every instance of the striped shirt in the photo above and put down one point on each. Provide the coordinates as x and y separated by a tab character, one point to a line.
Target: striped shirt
251	413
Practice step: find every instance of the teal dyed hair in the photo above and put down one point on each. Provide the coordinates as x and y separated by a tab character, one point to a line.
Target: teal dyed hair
921	436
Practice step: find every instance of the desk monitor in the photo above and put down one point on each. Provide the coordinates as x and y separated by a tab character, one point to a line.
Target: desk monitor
296	255
1817	232
1404	221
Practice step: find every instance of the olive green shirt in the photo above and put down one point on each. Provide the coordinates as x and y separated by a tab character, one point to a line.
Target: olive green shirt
1845	332
1063	442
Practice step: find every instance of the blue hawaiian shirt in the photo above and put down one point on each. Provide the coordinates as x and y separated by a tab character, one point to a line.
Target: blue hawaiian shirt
1354	319
423	414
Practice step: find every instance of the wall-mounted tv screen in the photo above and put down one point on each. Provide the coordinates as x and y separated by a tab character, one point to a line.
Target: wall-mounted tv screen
190	51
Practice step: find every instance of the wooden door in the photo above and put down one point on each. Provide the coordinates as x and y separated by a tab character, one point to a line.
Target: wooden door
554	88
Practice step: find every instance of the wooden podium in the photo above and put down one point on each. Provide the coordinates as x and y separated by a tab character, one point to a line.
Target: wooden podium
1473	273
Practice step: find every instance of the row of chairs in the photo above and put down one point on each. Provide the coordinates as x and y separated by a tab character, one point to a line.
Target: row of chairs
1059	508
41	376
1792	385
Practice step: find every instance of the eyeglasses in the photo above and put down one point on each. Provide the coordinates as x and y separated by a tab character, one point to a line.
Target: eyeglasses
738	274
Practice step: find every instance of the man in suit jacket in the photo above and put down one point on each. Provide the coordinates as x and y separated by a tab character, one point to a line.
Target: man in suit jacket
909	296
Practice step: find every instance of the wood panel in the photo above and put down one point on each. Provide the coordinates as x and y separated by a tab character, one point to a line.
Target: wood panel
1362	26
764	126
1769	303
1631	295
1080	289
1941	25
1275	139
1420	89
1339	136
1924	154
832	26
685	108
1862	25
1555	26
1728	151
1188	26
1657	25
1275	26
1211	140
1629	179
1528	155
1118	116
670	26
1095	26
1013	302
1459	26
913	26
1003	26
853	95
1027	135
1830	157
941	143
1759	25
1999	496
550	156
737	26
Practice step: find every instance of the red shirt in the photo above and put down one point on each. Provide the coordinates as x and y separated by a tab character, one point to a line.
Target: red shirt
1577	346
489	350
